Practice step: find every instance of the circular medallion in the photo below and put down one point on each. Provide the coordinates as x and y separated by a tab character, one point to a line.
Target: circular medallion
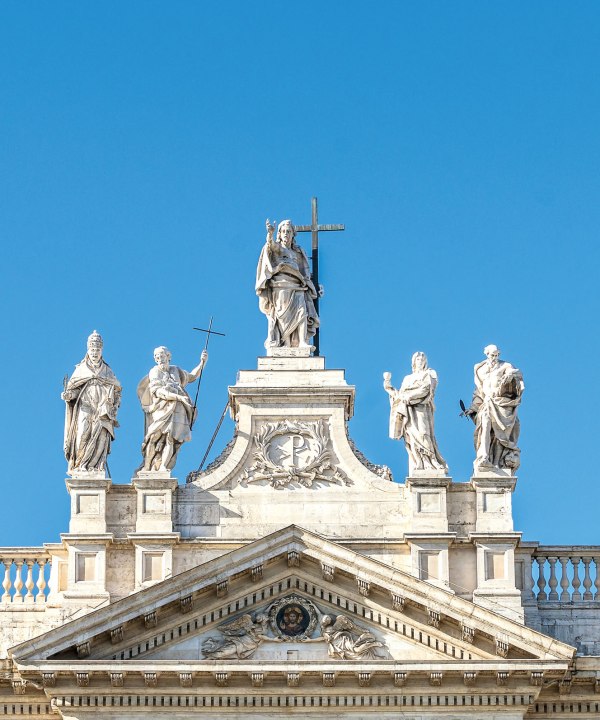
293	618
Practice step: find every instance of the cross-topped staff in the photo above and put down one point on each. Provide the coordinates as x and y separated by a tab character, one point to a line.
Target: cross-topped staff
314	228
208	332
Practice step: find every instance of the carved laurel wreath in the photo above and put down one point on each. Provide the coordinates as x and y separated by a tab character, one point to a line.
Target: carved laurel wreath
321	468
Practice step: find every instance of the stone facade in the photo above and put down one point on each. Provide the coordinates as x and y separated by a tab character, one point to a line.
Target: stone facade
294	577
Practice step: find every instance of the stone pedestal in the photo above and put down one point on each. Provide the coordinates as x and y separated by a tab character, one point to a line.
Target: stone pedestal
290	352
88	503
154	537
292	461
496	587
429	539
153	557
427	494
86	567
495	544
494	502
154	502
429	557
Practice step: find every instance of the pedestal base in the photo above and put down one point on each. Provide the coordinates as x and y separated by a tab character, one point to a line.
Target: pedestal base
429	502
88	475
153	475
154	502
494	502
294	352
491	473
88	502
425	474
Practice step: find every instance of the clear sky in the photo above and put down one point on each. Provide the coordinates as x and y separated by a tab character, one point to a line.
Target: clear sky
143	144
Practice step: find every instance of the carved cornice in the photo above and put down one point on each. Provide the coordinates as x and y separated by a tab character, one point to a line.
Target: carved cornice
325	565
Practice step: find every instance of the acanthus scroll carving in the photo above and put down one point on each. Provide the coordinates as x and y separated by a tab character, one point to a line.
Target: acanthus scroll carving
293	451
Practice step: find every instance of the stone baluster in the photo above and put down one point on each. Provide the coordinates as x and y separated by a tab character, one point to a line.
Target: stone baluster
41	582
587	580
553	582
596	578
564	580
541	581
6	582
29	584
576	582
528	581
18	584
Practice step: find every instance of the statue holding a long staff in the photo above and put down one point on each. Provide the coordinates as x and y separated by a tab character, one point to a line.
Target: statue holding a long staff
169	411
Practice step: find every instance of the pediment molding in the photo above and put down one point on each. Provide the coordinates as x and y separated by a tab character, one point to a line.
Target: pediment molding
412	625
301	561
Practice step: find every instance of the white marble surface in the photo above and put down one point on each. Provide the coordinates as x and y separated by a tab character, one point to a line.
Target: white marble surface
498	391
285	290
92	396
168	410
412	416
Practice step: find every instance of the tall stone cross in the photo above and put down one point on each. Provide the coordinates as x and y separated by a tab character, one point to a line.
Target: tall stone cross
314	228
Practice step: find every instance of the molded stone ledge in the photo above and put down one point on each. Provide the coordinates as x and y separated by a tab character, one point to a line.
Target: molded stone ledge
154	481
281	362
93	480
429	478
494	475
160	476
75	538
499	537
88	475
493	481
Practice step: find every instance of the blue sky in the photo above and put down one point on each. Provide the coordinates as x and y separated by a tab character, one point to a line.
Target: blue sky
143	144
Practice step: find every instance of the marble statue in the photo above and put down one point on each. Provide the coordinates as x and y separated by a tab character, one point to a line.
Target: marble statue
169	411
411	415
285	290
498	390
242	638
348	641
92	395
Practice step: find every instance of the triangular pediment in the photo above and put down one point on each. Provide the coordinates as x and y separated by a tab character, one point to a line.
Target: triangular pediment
400	617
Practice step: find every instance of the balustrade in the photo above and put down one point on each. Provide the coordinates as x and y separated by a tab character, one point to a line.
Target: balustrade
559	572
26	572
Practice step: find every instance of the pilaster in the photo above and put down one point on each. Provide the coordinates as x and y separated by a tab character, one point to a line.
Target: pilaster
429	557
496	587
86	566
153	557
